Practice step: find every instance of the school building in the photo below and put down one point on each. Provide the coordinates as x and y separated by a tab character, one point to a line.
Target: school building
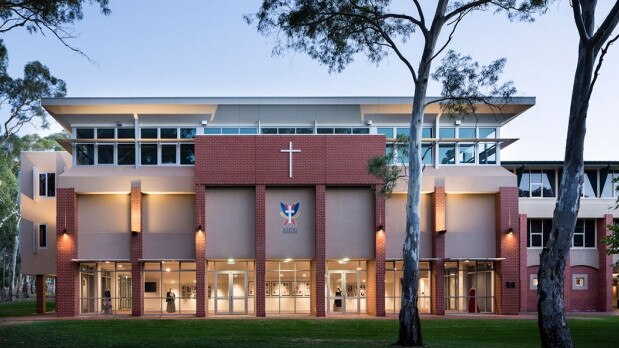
261	206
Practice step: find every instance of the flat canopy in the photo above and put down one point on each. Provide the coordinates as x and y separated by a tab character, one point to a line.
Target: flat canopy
191	107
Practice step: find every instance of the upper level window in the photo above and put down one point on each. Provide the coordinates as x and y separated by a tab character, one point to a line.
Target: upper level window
42	236
232	130
85	154
149	133
466	132
47	184
126	133
609	184
537	183
584	234
105	133
538	232
447	133
343	130
590	184
487	133
85	133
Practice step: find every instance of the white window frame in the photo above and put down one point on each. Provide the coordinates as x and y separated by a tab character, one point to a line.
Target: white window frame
584	235
575	280
46	184
531	233
533	281
596	189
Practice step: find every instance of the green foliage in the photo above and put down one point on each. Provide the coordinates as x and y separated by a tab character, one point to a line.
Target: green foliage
385	168
23	95
334	31
466	84
612	241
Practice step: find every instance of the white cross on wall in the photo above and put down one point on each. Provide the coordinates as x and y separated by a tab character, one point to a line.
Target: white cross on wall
289	212
290	151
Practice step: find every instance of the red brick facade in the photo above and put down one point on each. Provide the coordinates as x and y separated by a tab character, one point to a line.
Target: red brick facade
605	273
507	279
437	267
137	285
376	267
318	265
201	309
66	246
260	258
39	284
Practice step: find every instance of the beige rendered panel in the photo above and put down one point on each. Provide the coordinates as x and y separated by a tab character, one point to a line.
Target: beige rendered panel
290	240
349	223
471	229
584	257
230	222
103	225
168	224
396	225
35	260
544	207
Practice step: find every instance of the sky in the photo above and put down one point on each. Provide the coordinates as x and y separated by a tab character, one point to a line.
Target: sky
205	48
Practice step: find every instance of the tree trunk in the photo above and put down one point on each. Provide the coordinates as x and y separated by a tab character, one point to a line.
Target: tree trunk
13	267
410	325
552	324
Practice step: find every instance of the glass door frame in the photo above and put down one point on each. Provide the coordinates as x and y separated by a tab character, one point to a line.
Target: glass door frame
330	299
230	297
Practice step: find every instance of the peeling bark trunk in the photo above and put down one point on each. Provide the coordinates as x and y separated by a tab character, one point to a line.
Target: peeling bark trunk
410	324
13	268
553	328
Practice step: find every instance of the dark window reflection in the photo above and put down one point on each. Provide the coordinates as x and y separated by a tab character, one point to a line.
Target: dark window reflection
187	154
149	154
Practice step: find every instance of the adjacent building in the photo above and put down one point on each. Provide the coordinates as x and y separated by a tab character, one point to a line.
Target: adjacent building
261	206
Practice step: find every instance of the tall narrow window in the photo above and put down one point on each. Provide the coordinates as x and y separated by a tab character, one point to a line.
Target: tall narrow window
43	236
590	185
47	185
584	234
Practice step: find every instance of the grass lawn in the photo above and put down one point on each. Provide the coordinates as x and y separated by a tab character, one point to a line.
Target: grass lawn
22	308
588	332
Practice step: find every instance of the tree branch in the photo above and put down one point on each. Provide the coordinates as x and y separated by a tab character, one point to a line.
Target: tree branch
464	8
420	11
580	25
451	34
606	28
599	64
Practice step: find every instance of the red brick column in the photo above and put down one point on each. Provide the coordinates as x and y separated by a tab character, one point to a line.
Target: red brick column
508	247
319	263
200	252
39	284
66	251
567	286
260	250
137	285
437	268
605	275
524	273
376	267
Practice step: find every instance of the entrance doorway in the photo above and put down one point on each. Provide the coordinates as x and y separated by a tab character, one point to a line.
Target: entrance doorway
230	292
344	292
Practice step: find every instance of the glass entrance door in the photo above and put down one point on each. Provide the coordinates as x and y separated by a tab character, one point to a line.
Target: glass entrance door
231	292
343	292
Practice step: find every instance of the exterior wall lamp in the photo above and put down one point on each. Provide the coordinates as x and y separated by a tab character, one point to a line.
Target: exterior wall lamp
441	231
134	232
64	231
380	229
199	229
510	230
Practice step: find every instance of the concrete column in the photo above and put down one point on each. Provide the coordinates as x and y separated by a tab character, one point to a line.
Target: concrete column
200	252
137	285
66	251
260	250
39	284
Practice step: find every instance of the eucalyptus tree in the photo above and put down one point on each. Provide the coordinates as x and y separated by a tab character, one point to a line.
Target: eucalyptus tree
593	45
334	31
